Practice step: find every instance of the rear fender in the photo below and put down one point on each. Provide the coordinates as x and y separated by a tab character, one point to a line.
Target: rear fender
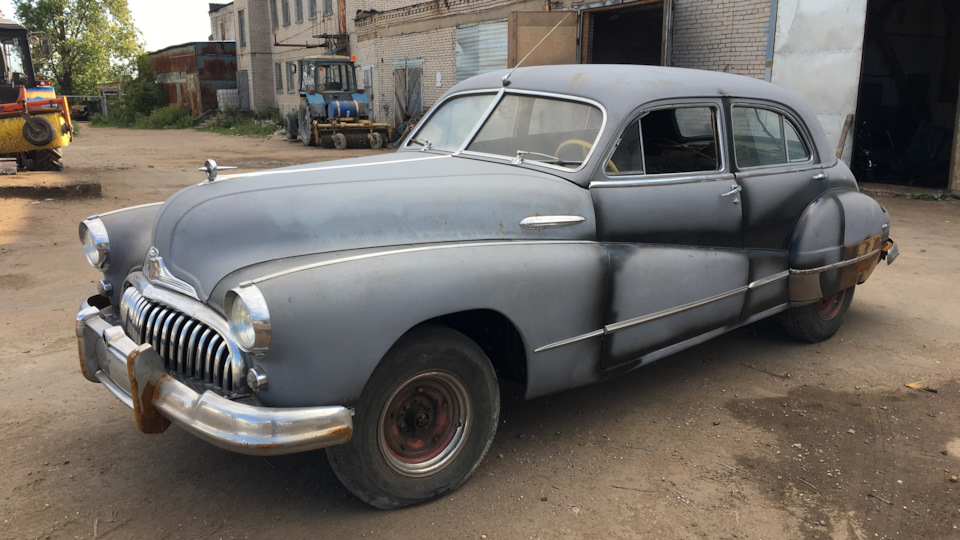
836	244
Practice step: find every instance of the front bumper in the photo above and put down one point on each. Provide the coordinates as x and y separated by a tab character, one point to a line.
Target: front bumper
135	374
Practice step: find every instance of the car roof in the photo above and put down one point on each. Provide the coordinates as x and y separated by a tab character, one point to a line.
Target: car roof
623	88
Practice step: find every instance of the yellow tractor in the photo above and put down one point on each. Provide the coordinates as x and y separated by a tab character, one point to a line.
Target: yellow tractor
34	122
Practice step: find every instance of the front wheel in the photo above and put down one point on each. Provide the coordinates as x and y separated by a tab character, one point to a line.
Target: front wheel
424	421
818	321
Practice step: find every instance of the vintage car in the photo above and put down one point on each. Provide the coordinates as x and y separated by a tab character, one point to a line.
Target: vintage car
553	225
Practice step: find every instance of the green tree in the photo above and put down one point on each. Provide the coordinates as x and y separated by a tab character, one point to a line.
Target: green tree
92	41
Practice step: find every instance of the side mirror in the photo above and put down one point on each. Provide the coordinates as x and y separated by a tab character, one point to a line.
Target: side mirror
44	44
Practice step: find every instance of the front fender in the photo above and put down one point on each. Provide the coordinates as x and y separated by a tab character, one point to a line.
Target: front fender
130	231
332	322
836	244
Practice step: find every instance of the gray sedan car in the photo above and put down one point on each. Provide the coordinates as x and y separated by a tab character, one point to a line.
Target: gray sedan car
553	225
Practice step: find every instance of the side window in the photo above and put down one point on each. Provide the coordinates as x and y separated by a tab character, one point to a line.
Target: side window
671	140
763	137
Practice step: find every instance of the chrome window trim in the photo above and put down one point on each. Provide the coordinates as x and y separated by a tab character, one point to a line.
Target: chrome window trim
500	93
403	251
768	170
497	94
661	181
636	321
718	134
810	162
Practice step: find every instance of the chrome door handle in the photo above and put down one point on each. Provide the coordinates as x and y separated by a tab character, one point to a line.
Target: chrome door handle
734	189
821	176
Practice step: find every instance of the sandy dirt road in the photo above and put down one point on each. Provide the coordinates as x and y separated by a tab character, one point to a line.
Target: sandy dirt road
751	435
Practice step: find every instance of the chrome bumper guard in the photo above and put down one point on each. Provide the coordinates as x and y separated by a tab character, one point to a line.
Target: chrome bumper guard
135	374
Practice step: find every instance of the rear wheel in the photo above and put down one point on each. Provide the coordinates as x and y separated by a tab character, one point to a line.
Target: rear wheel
48	159
818	321
424	422
291	125
307	134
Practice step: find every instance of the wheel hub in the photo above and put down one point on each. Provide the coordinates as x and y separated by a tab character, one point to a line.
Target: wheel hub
423	423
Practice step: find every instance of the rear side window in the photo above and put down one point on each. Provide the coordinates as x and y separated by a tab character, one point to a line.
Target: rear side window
762	137
669	140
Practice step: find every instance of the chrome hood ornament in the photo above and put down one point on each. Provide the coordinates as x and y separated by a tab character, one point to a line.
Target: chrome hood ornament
156	271
210	167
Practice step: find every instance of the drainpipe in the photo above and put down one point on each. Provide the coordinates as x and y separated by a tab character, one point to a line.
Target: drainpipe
771	36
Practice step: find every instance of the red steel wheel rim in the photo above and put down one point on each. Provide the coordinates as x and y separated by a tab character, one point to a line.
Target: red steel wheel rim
828	307
424	423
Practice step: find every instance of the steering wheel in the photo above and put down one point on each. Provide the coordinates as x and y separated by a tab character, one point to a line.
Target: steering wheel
586	150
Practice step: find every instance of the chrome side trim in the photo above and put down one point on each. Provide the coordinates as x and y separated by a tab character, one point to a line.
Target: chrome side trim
769	279
834	266
660	181
156	271
629	323
272	172
110	213
616	327
410	250
550	222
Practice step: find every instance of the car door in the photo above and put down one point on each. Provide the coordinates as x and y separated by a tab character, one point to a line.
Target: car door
780	175
669	217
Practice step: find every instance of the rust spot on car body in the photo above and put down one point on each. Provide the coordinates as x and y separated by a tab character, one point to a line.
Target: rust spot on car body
342	432
149	420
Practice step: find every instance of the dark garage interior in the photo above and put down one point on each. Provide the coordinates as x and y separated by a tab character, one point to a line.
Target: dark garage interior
909	82
625	35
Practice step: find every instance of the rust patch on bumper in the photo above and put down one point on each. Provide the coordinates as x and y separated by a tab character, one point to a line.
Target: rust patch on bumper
149	420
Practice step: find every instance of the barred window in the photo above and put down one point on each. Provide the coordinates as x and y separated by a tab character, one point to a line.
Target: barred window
278	69
327	7
298	10
286	12
273	14
312	8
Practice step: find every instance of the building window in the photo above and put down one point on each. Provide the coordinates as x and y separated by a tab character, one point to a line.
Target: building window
278	73
242	28
327	7
291	77
298	9
273	14
481	48
286	12
312	8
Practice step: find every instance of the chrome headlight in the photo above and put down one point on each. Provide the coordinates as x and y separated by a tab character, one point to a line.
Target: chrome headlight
96	244
248	316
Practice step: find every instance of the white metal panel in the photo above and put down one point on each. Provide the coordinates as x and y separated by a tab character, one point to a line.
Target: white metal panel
481	48
817	52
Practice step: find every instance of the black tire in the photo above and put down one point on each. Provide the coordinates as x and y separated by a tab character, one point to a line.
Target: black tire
376	141
39	131
426	418
48	159
339	141
307	135
291	126
818	321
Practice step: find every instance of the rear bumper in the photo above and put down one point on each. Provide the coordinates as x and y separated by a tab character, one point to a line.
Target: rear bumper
135	374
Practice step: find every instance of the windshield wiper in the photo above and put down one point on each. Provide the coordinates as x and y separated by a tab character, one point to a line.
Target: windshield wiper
425	143
518	159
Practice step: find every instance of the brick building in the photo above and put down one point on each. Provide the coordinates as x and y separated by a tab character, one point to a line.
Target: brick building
883	62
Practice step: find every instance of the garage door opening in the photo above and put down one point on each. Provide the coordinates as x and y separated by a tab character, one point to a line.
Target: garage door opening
626	33
908	95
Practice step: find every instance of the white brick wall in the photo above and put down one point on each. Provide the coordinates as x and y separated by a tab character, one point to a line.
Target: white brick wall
729	36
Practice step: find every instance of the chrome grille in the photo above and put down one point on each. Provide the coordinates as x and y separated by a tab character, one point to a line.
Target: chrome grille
188	347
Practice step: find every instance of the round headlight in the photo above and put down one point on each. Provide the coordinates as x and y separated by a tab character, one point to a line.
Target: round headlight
96	244
249	319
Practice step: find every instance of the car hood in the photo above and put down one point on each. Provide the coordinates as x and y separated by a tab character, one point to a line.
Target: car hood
207	231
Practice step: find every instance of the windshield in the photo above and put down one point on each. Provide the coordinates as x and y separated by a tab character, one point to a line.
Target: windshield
524	128
318	77
13	47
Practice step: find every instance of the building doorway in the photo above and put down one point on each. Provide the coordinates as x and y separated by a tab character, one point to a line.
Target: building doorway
626	33
908	94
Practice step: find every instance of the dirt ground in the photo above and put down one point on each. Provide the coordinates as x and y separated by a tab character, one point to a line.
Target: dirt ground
751	435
